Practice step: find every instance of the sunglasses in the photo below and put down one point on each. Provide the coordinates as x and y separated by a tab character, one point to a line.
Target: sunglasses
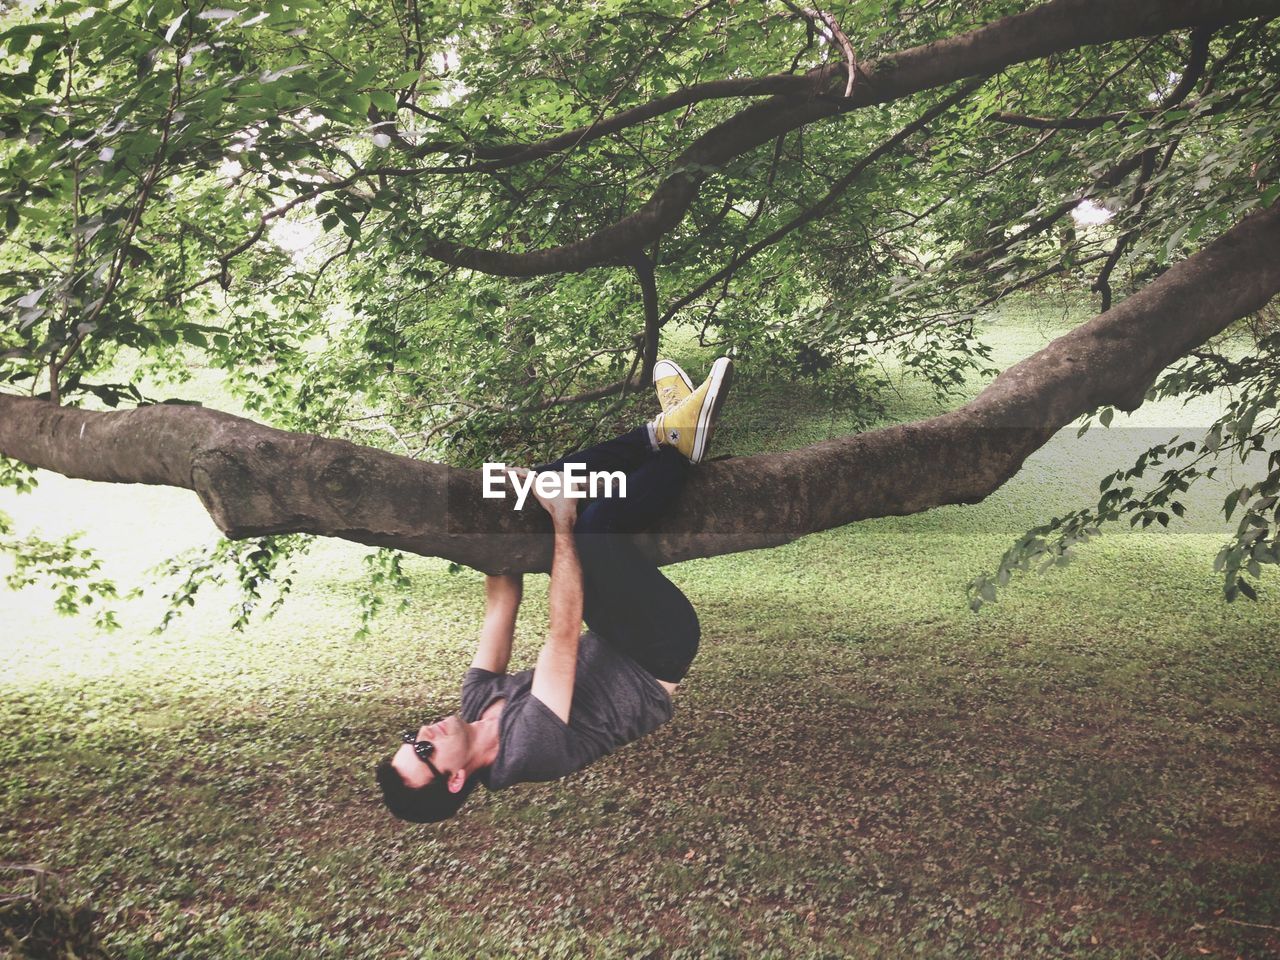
422	749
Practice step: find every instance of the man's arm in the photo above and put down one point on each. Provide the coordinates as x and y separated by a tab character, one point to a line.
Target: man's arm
553	677
502	600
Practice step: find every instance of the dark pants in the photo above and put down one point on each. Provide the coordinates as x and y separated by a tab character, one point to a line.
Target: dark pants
626	600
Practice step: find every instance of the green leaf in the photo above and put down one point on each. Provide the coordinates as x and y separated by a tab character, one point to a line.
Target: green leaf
350	225
1213	441
1230	503
19	35
173	27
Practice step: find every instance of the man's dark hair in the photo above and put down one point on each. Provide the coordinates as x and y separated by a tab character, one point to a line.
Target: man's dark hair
429	804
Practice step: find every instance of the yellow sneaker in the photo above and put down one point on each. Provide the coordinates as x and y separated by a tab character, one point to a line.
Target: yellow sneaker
672	383
688	426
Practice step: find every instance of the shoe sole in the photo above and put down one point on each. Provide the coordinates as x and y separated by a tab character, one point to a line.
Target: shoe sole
710	411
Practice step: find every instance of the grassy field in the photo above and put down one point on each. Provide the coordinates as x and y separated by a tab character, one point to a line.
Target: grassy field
858	765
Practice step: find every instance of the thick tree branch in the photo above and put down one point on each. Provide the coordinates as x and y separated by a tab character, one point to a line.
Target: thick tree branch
256	480
1054	27
1197	60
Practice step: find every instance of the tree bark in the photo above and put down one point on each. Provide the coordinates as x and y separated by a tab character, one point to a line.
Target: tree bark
254	479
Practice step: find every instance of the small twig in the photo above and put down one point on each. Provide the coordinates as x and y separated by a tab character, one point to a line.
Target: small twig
833	29
811	213
628	382
1246	923
1052	131
851	59
746	233
1036	278
77	244
329	261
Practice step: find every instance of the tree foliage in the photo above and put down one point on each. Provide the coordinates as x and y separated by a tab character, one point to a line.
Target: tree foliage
293	193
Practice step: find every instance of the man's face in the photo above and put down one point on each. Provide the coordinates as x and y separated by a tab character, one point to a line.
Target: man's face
452	739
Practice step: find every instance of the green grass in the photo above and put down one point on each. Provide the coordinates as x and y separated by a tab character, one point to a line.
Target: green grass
858	765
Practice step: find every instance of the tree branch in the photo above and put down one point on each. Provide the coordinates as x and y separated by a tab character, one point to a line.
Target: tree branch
501	156
1191	74
1042	223
1053	27
256	480
813	212
831	27
643	267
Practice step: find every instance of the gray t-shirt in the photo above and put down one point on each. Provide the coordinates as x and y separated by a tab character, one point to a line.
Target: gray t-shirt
615	701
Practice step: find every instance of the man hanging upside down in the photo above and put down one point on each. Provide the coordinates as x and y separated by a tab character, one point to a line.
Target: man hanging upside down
590	694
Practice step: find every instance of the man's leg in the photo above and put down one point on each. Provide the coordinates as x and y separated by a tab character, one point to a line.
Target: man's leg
627	600
625	452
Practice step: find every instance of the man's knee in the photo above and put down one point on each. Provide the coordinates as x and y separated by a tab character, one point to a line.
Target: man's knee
689	627
601	516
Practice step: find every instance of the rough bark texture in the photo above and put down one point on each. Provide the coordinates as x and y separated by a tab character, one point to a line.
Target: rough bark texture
1054	27
254	479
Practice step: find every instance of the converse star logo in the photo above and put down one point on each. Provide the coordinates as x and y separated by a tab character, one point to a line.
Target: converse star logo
674	435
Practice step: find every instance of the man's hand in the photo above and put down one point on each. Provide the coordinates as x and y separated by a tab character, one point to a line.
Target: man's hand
562	508
554	675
